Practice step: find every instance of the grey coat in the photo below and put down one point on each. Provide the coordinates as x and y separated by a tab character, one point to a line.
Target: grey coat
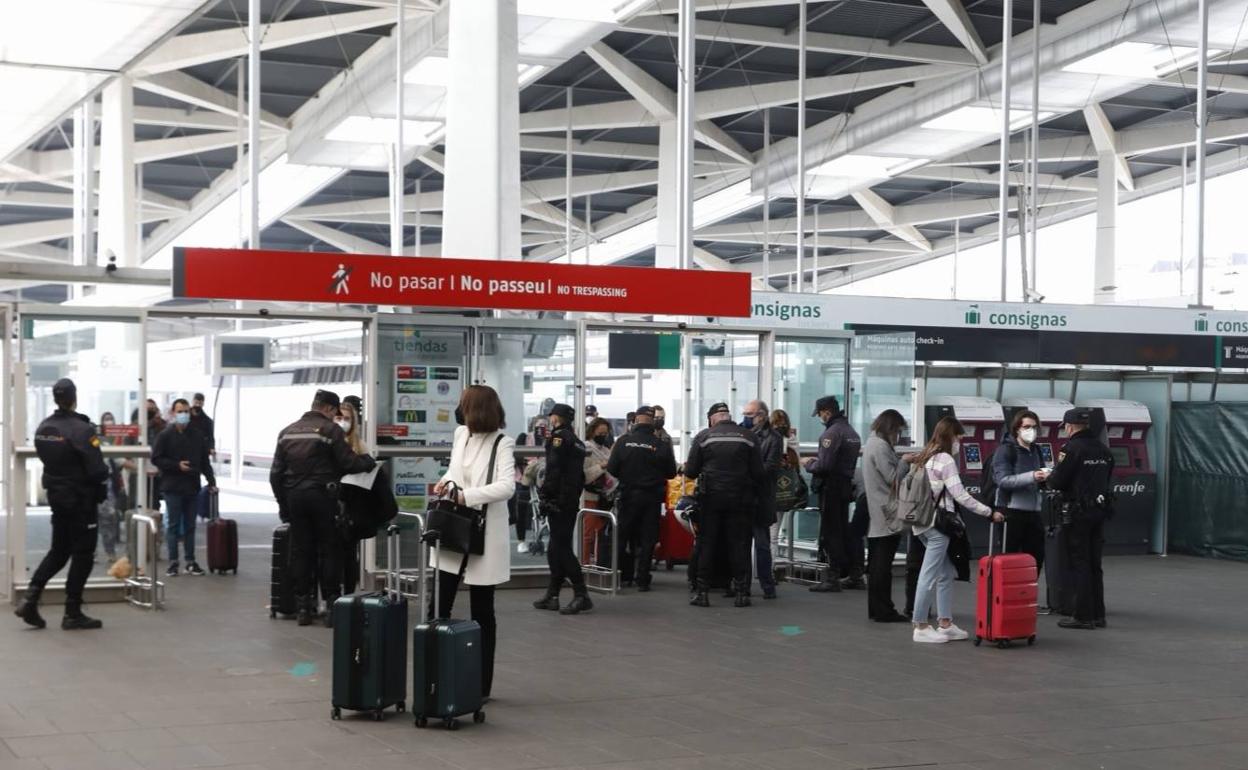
881	469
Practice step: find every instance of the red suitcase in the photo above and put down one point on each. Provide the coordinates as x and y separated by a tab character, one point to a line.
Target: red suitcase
675	544
222	540
1006	596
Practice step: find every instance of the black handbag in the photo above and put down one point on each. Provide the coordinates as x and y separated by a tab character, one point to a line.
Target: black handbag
459	527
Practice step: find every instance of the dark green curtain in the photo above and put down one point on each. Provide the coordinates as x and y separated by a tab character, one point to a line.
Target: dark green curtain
1209	479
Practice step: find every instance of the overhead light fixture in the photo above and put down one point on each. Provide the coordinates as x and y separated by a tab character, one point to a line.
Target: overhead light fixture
1139	61
980	120
366	130
436	70
855	166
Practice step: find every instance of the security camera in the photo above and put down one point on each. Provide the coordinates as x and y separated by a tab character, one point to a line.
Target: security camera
264	311
111	267
1033	296
710	319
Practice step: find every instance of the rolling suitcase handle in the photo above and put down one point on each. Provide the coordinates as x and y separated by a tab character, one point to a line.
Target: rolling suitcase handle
992	534
430	540
392	561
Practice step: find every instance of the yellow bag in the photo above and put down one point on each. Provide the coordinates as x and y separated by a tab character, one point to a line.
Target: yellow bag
121	569
677	488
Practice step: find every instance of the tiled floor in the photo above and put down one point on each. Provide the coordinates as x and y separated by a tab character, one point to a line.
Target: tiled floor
648	682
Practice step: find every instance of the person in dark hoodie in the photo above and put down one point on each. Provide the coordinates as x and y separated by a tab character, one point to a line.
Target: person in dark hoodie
1018	472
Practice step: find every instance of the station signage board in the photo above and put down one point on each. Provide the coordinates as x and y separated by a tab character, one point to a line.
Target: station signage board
360	279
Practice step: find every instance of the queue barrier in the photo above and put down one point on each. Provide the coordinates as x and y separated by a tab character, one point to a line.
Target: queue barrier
790	568
143	588
599	579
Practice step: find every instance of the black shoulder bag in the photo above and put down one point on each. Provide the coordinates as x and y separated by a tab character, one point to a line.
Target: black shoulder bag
459	527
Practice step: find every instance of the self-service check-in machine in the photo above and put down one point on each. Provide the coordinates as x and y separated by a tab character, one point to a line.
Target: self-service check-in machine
1049	438
1124	426
982	420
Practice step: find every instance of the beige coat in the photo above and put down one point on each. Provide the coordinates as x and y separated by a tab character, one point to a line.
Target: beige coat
469	468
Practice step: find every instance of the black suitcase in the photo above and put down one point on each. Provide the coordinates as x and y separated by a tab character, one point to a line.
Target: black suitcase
446	666
370	646
1059	583
281	578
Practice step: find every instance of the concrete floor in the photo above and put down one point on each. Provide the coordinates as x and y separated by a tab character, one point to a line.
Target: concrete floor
648	682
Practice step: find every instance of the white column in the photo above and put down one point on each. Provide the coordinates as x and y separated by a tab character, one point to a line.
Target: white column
684	125
1003	193
1106	215
396	150
119	208
253	123
481	216
668	219
84	185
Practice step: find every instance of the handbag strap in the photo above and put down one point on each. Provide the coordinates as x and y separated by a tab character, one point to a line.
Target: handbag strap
489	479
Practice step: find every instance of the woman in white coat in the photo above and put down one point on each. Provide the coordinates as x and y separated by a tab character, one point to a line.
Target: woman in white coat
481	418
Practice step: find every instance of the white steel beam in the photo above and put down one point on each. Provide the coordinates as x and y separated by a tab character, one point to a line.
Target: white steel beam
885	216
953	15
816	42
974	175
58	164
172	117
336	238
1106	141
28	233
185	88
185	51
615	150
118	233
657	98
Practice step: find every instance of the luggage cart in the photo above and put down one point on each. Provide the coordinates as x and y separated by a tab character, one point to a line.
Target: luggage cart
411	582
792	569
541	530
599	579
143	590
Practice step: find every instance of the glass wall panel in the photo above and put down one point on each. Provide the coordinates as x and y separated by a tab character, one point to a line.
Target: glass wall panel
804	371
618	391
882	377
725	368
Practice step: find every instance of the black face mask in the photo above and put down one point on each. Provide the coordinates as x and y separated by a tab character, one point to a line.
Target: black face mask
658	423
602	440
459	416
151	413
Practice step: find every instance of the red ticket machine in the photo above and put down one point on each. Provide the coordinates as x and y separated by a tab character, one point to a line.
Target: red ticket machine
983	421
1049	439
1126	426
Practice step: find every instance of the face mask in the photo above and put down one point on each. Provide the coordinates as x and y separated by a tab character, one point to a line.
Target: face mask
601	440
747	421
1028	435
459	416
151	413
182	418
658	423
957	448
344	424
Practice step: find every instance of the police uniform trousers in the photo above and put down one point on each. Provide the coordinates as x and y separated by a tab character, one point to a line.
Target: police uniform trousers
834	526
315	544
75	530
1085	543
640	514
725	524
560	556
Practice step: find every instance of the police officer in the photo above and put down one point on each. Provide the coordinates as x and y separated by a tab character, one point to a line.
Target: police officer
1082	477
74	474
642	462
312	455
833	472
560	496
725	460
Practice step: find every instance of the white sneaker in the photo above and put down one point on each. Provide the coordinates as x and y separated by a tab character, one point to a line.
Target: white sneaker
953	633
522	547
929	635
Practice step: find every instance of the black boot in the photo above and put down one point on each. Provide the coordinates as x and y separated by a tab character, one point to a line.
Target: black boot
742	596
28	610
551	600
854	583
580	603
307	611
329	611
700	599
829	586
74	620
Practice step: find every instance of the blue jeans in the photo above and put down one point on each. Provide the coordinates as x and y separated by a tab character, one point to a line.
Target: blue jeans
180	524
937	574
762	558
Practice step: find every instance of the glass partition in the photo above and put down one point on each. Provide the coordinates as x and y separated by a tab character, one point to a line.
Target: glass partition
806	369
725	368
616	389
882	377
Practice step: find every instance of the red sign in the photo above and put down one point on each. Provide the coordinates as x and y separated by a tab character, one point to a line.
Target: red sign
301	276
393	431
120	431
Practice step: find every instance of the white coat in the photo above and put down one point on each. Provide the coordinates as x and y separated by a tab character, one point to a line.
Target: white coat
469	468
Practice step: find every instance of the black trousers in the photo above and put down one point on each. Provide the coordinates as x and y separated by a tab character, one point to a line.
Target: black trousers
855	545
523	515
315	545
834	530
1025	534
350	550
1085	543
639	531
75	530
880	575
560	556
725	524
915	551
481	604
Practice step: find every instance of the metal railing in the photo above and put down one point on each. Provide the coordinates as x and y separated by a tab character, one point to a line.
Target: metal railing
603	580
792	569
412	583
143	590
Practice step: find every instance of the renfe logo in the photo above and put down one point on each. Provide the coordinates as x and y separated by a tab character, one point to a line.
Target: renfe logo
1132	489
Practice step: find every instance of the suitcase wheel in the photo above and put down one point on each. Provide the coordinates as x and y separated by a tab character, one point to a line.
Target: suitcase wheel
379	715
235	571
478	717
978	641
336	714
451	723
272	614
1003	643
401	707
671	565
1031	640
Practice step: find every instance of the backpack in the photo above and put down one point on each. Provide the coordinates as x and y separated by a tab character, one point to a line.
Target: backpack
987	484
791	490
916	506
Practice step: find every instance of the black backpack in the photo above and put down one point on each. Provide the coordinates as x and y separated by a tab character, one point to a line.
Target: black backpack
987	484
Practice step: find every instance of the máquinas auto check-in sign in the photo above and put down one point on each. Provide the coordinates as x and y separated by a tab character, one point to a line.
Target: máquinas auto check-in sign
358	279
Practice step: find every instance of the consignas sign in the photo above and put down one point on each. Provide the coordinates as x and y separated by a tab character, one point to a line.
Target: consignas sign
299	276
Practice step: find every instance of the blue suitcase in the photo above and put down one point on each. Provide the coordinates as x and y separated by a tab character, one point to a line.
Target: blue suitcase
370	647
446	668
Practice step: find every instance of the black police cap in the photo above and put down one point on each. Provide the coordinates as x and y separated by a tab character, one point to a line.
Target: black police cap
328	398
717	408
564	411
64	390
1077	416
827	402
644	411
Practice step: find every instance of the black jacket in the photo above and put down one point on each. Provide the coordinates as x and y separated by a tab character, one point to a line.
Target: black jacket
312	452
70	452
771	451
174	446
201	422
641	461
726	462
366	510
1083	470
833	467
565	470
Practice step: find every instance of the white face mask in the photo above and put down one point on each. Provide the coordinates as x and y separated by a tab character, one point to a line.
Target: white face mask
957	447
344	424
1028	435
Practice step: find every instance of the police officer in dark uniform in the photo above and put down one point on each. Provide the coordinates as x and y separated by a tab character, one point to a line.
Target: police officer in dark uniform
312	455
560	496
833	472
642	462
74	474
1082	477
726	462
